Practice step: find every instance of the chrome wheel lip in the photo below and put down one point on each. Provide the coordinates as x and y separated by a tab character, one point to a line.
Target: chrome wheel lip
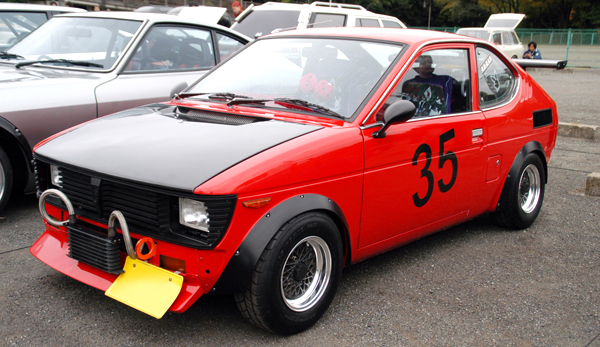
321	266
530	188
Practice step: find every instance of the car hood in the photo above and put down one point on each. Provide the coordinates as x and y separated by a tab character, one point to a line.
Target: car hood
9	74
151	146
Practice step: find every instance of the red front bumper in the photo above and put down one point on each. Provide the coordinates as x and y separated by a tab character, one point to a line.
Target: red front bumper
52	248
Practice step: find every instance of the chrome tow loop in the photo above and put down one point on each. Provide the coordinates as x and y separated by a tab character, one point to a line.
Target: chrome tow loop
65	200
112	231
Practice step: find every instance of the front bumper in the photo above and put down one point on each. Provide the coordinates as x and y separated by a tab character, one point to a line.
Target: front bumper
52	248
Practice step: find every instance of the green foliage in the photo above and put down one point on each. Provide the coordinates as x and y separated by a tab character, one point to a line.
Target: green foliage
577	14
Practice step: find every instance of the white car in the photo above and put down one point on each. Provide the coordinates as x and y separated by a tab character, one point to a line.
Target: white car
18	20
500	30
275	16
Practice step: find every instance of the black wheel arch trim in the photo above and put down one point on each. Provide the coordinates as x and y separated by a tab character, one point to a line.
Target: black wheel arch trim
15	136
238	272
513	173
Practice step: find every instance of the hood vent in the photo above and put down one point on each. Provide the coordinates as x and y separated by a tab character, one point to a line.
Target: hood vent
213	117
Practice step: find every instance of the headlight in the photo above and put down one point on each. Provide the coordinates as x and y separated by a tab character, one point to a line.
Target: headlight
55	176
193	214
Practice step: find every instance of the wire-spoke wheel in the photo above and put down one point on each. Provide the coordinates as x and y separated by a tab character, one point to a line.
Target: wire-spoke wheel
306	273
529	188
520	204
296	277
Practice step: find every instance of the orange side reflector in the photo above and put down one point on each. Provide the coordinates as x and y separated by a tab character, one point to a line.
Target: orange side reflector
256	203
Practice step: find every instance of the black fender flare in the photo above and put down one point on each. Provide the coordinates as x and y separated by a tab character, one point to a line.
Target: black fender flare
513	174
16	147
237	274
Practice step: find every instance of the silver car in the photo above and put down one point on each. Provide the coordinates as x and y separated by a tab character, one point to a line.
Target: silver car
17	20
78	67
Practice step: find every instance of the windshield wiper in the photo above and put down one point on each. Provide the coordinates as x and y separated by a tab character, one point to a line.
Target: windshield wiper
226	96
304	105
59	61
309	105
6	55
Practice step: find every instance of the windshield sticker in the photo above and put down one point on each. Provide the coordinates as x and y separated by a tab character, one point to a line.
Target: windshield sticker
486	64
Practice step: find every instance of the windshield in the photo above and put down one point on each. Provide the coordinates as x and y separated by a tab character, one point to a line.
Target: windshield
95	40
258	23
335	74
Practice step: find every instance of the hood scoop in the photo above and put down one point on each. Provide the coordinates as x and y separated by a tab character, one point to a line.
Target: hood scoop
214	117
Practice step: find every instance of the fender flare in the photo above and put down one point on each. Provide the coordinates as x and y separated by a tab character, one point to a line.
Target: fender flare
513	174
238	272
16	145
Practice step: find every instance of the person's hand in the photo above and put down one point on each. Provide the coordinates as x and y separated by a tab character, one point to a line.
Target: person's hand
528	55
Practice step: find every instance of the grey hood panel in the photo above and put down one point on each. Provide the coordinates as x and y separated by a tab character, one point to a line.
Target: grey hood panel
149	147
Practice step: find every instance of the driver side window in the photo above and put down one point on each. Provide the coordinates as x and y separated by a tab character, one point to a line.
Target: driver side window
437	83
167	48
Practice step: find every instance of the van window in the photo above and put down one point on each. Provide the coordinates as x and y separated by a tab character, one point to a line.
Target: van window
391	24
258	23
366	22
324	20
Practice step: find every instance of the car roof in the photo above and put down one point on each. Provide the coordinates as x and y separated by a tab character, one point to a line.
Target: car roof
407	36
151	17
12	6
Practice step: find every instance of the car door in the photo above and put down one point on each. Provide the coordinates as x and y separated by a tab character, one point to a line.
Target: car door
422	175
168	59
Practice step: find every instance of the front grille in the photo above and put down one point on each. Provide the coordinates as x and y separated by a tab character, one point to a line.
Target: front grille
149	211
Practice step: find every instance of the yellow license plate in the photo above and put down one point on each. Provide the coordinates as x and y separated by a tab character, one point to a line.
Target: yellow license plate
146	287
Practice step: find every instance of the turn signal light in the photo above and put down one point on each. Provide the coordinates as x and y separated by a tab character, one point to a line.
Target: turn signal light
172	264
256	203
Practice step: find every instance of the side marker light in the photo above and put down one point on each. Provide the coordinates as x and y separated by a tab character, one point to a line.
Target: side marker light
256	203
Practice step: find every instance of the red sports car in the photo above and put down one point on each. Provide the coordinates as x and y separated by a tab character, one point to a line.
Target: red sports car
305	152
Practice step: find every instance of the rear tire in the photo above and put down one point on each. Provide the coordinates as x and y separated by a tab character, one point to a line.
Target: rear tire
296	277
6	179
521	206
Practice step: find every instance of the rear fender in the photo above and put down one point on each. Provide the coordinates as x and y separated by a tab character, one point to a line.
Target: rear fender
513	174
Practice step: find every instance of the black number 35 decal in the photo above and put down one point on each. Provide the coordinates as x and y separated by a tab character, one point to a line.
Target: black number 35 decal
426	173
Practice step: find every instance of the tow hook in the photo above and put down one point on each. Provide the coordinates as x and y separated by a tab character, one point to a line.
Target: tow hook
42	205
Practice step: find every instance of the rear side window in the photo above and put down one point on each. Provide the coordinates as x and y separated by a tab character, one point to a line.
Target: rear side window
515	38
391	24
227	46
496	79
366	22
324	20
497	39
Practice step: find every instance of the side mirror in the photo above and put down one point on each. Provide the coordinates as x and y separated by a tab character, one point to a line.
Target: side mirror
398	112
177	89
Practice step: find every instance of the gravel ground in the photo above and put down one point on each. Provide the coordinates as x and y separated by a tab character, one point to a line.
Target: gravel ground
471	285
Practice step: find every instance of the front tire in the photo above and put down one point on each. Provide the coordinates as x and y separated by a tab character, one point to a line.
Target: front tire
296	277
6	179
524	201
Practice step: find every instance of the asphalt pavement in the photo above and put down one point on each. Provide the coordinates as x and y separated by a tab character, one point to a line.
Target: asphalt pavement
472	285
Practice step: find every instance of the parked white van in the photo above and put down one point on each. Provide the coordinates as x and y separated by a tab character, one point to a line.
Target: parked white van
275	16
